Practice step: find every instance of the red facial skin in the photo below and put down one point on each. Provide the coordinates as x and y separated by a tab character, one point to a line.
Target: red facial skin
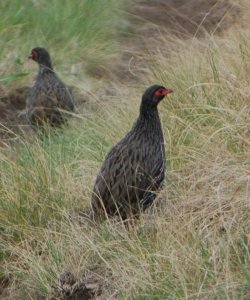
33	54
163	92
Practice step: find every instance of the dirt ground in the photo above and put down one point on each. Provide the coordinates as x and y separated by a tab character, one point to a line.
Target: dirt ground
185	17
11	104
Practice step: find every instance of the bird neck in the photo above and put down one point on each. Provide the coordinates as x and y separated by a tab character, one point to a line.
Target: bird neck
149	112
149	120
45	68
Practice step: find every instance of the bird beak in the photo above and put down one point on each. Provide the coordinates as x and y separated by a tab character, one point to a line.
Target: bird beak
30	56
167	91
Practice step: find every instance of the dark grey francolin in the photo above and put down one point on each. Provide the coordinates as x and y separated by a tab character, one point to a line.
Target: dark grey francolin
49	98
134	169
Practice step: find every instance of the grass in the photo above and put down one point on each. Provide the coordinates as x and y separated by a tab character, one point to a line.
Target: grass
195	242
79	37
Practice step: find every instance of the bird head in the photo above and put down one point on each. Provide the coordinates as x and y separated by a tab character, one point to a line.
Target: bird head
41	56
154	94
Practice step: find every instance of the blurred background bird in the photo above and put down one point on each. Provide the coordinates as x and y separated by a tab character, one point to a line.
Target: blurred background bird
49	99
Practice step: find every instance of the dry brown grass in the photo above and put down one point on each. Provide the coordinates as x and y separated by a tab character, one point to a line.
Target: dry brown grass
195	242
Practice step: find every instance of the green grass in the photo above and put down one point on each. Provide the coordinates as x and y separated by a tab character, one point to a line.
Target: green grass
195	243
79	36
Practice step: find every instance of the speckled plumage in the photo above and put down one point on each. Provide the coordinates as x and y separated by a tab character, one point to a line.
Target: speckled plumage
49	96
134	169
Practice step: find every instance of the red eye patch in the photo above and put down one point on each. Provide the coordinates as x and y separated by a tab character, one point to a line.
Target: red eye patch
159	92
163	92
34	53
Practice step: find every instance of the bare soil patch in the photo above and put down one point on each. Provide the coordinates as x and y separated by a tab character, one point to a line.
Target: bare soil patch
185	18
11	104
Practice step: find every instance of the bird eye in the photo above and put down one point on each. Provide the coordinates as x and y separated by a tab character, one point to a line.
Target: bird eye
159	92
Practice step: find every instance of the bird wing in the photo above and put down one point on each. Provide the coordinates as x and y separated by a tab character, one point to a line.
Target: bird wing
40	98
50	92
63	95
121	182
